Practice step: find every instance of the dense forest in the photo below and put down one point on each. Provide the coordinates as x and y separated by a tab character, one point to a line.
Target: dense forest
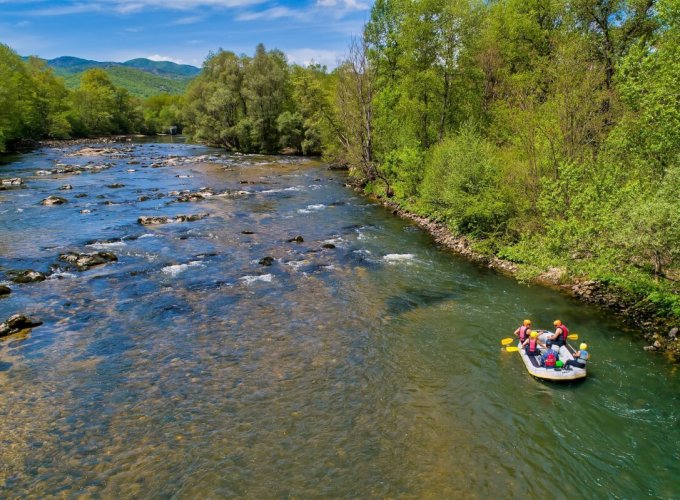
545	131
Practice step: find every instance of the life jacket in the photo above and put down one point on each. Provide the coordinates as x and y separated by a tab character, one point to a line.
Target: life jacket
565	332
583	357
523	333
532	345
550	359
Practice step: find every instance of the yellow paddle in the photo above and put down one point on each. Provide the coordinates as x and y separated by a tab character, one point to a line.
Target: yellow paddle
572	336
512	348
507	341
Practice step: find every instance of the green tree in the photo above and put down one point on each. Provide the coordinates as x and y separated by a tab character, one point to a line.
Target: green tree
265	88
17	101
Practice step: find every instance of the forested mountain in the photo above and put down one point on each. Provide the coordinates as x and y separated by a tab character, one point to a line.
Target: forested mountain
138	83
142	77
70	65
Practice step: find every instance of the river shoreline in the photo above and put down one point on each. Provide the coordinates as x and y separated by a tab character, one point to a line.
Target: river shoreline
661	334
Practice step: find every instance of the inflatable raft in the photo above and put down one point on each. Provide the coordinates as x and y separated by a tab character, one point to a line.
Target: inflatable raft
566	352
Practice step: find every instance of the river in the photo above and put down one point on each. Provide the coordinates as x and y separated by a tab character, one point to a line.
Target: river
364	362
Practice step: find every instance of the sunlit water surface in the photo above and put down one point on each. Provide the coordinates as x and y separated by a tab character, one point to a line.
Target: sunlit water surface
372	369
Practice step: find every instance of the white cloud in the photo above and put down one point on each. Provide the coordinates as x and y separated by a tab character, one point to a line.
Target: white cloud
343	4
273	13
305	57
157	57
187	20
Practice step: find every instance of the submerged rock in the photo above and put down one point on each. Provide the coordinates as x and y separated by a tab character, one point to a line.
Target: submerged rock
66	187
148	220
329	246
53	200
297	239
26	276
84	261
115	185
266	261
5	290
16	323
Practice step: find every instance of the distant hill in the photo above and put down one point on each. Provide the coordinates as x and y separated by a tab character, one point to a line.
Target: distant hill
141	77
162	68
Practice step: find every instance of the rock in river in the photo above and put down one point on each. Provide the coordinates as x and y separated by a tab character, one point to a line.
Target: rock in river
5	290
14	181
266	261
148	220
53	200
84	261
26	276
16	323
297	239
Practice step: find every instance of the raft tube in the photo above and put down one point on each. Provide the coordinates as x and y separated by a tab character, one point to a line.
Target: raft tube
566	352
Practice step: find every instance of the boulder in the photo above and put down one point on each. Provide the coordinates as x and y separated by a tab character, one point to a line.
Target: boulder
84	261
673	333
16	323
191	197
5	290
297	239
148	220
26	276
53	200
115	186
329	246
266	261
14	181
66	187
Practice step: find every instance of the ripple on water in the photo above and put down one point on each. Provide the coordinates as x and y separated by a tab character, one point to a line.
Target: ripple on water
250	279
175	269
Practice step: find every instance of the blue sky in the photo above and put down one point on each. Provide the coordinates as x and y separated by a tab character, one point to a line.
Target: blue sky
182	31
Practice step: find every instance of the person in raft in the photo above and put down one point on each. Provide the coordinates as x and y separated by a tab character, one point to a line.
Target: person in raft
580	358
531	345
550	358
559	338
523	331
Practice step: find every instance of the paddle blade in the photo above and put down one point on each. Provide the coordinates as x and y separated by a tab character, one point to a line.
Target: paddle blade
507	341
573	336
512	348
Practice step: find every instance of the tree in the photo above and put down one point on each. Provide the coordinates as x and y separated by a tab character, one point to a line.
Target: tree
17	102
265	89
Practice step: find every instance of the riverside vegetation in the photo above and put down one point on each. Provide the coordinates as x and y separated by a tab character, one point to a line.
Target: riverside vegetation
545	133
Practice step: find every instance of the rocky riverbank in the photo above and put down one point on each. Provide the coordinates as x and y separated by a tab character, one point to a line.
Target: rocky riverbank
660	333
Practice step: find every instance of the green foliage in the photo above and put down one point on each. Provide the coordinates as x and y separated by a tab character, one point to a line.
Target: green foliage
163	114
139	83
463	182
291	130
100	108
17	103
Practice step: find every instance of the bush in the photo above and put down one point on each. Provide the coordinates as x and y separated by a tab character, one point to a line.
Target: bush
463	181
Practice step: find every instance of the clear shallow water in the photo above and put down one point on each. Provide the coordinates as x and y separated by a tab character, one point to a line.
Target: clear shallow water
372	369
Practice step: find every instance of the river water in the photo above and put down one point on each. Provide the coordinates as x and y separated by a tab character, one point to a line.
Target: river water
371	369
